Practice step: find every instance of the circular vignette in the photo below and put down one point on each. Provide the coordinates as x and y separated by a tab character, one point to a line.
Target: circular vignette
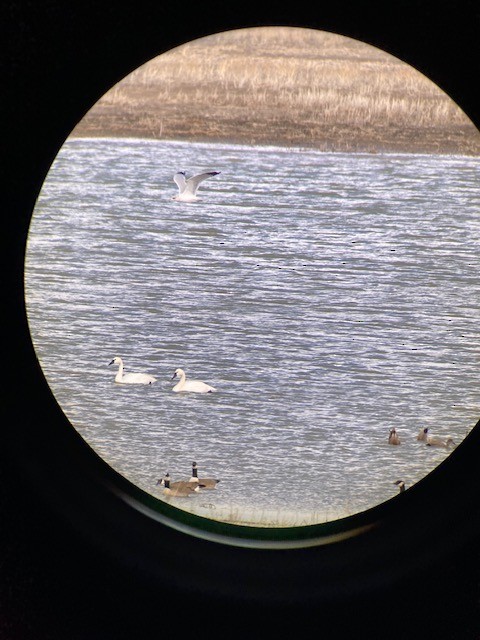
328	562
111	513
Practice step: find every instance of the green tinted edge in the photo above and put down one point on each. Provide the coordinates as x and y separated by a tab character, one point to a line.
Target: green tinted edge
244	535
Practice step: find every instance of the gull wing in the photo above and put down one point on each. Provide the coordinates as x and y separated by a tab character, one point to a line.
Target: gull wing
181	181
192	183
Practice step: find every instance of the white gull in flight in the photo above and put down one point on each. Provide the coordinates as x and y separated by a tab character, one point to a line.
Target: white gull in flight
187	187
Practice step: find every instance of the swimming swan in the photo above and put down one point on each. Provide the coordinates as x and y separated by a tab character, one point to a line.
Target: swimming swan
196	386
205	483
187	187
183	490
393	437
130	378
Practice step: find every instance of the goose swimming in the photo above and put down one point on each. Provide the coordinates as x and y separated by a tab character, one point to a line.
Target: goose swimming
192	486
437	441
401	485
393	437
195	386
130	378
205	483
423	434
187	187
182	490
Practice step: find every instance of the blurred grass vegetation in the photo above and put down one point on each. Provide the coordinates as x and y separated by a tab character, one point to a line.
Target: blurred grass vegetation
285	86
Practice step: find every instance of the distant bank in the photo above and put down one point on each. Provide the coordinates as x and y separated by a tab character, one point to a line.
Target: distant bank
341	139
284	86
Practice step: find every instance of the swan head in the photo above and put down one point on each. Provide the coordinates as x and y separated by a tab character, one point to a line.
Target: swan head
400	484
116	360
178	373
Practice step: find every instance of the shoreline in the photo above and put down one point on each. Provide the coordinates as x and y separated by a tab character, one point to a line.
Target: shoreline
366	149
258	516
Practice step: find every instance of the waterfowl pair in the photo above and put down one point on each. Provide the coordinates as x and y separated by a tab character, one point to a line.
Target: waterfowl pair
178	489
196	386
184	488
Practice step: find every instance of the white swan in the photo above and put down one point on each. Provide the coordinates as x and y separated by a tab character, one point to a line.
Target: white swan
196	386
130	378
187	187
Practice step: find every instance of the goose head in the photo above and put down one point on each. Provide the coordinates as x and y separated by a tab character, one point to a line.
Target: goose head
165	481
422	434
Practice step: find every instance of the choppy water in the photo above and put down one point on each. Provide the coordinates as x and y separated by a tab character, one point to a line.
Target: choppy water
328	297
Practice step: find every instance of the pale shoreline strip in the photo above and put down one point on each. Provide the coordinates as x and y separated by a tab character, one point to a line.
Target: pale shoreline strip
258	516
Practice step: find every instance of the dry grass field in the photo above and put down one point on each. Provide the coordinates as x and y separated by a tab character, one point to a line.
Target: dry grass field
284	86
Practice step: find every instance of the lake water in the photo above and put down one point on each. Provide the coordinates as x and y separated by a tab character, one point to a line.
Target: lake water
328	297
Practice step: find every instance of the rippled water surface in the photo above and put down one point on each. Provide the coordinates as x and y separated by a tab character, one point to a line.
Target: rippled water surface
327	297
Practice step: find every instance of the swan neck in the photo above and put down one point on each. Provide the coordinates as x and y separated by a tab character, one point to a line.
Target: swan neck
181	383
119	375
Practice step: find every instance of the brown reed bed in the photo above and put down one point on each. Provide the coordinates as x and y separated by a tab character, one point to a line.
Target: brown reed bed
284	86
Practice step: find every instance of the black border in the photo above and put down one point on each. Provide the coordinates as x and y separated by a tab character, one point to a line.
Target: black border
77	560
